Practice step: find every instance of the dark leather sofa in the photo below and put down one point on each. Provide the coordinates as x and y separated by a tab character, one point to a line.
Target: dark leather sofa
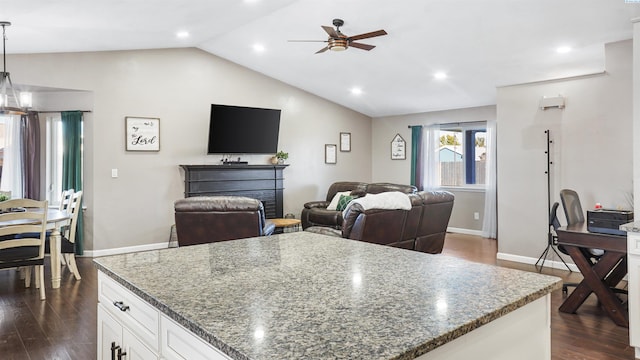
206	219
315	213
423	228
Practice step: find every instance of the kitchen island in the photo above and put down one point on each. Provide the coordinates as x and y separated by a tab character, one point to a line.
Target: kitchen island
309	296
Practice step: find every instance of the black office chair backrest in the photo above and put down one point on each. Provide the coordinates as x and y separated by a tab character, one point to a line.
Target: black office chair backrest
572	208
553	216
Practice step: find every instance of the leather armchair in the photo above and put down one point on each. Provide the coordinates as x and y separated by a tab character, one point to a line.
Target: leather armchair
206	219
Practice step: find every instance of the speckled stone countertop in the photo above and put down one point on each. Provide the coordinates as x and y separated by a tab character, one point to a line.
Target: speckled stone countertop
631	227
310	296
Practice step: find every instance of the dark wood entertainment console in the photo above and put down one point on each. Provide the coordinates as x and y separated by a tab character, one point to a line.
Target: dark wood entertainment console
262	182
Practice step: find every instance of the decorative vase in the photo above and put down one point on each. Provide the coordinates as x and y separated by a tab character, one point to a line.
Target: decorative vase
280	161
275	160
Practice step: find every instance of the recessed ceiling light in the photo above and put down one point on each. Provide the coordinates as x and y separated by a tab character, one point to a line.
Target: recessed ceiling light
440	75
356	91
563	49
182	34
258	48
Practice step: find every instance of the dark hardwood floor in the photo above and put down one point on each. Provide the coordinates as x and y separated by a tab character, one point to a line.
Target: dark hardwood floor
64	326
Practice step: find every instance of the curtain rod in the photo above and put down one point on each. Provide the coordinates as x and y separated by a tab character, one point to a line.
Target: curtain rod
62	110
452	124
59	111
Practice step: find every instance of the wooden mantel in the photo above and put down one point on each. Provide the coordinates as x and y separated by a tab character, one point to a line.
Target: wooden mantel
262	182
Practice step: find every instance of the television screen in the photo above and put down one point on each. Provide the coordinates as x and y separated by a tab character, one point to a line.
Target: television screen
243	130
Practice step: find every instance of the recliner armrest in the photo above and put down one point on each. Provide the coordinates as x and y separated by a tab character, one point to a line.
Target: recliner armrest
269	228
316	204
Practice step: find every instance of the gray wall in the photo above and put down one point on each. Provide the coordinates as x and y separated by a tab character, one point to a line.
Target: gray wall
591	151
399	171
135	210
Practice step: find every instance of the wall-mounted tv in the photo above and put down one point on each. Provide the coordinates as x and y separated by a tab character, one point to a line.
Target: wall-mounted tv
243	130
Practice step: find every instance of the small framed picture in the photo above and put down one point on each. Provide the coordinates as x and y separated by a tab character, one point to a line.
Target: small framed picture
330	156
345	141
398	148
142	134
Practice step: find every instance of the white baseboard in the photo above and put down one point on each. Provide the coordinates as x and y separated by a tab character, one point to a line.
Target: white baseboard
126	250
464	231
549	262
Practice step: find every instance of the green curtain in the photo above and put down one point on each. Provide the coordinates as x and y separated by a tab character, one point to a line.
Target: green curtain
72	162
417	158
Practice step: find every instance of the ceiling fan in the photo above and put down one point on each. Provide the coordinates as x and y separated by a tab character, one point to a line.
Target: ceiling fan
338	41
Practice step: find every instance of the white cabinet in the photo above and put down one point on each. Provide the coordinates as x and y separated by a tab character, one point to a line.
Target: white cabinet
633	263
117	342
128	324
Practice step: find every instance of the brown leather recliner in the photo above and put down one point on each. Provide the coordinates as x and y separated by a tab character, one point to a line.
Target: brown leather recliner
315	213
423	228
206	219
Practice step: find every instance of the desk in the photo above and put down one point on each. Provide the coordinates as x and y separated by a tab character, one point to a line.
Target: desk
55	220
598	278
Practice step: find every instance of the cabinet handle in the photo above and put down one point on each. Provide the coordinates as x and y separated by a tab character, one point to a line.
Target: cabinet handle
113	350
120	305
121	354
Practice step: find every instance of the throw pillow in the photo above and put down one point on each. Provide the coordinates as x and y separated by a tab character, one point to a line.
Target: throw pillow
334	202
343	202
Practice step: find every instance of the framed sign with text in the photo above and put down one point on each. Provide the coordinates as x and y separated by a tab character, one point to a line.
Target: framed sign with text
142	134
398	148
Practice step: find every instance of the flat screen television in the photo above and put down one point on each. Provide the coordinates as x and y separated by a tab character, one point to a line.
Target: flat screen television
243	130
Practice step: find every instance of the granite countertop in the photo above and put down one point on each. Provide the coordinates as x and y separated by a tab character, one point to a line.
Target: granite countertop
310	296
631	227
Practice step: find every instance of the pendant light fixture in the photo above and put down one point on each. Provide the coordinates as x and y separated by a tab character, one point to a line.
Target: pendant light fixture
10	103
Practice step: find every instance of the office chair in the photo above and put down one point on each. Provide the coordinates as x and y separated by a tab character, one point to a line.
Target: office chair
552	238
574	214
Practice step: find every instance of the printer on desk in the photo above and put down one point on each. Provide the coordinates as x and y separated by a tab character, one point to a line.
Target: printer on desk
608	221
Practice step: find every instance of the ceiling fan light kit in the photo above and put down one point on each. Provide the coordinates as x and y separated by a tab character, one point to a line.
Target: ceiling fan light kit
338	41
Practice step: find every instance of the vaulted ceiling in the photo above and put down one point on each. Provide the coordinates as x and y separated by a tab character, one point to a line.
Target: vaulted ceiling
477	44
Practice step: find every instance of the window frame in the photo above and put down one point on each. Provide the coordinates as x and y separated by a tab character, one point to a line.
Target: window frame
468	134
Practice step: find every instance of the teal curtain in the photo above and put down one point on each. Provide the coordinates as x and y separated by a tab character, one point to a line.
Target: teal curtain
72	162
417	158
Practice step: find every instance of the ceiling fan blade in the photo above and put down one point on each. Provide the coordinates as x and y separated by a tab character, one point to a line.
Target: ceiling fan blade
322	50
361	46
368	35
331	31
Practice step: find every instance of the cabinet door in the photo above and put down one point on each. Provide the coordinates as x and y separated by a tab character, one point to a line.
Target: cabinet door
180	344
109	331
135	349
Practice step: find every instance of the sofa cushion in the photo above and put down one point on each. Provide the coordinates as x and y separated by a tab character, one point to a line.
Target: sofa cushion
343	202
333	205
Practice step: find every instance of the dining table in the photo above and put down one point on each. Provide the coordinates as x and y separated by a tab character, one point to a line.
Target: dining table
56	219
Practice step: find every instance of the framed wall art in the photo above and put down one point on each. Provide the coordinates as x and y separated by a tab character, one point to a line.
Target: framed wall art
330	156
142	134
398	148
345	141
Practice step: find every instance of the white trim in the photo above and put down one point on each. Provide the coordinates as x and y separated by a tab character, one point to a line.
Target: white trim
554	264
464	231
125	250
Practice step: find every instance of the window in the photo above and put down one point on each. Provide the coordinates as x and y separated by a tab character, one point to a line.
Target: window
54	159
11	156
462	155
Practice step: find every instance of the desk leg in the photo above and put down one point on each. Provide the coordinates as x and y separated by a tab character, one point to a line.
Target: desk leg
55	247
594	281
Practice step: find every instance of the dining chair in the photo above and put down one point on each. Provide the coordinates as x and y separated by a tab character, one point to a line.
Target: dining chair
68	234
23	225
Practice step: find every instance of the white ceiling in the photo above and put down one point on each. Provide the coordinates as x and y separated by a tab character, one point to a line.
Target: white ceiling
480	44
